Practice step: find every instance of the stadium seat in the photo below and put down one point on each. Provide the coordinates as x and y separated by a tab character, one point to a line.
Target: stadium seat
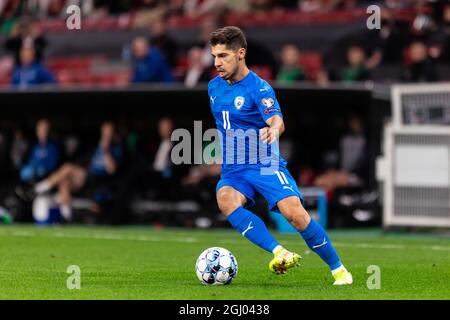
263	71
311	63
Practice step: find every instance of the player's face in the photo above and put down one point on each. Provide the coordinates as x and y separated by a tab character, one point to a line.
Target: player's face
226	61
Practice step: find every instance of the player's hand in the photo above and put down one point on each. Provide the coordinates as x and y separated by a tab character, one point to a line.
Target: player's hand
269	135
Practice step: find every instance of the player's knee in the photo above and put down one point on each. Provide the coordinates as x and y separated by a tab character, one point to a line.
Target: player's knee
227	201
297	215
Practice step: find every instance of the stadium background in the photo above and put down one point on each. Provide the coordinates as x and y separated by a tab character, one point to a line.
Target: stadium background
332	77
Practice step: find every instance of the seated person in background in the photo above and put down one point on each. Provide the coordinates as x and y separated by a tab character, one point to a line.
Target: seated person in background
356	69
290	70
421	68
71	177
44	157
152	176
30	72
197	71
149	63
159	175
352	160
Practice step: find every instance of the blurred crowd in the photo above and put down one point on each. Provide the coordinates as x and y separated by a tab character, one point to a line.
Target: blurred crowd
100	180
107	174
191	8
418	46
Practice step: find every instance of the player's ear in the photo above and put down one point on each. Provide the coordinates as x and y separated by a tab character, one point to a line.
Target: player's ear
241	53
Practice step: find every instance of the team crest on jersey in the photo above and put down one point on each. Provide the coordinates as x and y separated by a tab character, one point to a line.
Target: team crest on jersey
268	102
239	102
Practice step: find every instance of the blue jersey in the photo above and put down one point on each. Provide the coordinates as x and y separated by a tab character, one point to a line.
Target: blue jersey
98	165
241	109
44	159
152	68
26	76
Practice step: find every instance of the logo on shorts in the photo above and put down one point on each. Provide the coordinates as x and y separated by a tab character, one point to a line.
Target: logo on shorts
268	102
239	102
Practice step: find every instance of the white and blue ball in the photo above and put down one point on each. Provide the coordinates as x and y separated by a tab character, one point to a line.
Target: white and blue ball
216	266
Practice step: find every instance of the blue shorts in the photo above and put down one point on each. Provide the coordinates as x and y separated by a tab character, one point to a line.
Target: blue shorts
273	187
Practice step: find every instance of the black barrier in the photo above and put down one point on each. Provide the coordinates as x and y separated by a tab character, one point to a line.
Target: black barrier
316	118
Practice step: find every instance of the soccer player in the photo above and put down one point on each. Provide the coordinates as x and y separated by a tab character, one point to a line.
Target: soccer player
243	102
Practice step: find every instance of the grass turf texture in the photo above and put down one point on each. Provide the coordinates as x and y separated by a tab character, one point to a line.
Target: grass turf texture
145	263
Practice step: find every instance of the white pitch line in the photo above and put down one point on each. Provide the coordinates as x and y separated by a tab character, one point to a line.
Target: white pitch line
109	236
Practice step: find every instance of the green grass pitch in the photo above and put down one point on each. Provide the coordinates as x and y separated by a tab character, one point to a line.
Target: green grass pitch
146	263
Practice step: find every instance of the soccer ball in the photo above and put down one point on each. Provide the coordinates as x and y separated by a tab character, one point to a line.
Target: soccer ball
216	266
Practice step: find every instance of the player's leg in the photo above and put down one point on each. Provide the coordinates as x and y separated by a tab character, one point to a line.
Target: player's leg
54	179
266	185
231	203
73	180
315	237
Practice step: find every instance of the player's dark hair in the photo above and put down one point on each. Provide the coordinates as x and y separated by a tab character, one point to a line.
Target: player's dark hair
232	37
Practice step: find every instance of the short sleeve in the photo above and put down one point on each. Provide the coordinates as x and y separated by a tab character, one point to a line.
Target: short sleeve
266	101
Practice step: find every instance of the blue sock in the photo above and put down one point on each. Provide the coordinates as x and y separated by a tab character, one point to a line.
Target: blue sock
253	228
318	241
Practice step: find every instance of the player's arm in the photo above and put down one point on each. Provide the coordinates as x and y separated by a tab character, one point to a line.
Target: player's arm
274	130
270	110
110	163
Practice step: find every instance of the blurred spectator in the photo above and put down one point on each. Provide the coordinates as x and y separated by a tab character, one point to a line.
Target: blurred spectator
259	6
421	68
10	11
238	6
440	39
153	176
30	72
195	8
161	39
318	5
196	70
44	157
386	44
26	34
103	165
290	70
162	164
149	64
356	69
207	26
352	162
